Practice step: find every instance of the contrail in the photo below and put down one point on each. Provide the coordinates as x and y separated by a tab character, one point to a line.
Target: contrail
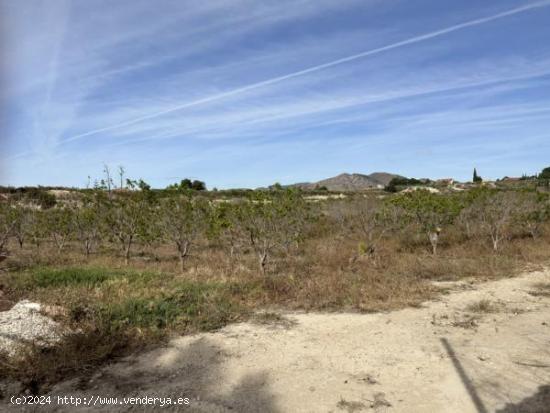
317	68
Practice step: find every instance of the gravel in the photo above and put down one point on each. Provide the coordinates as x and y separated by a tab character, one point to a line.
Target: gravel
24	324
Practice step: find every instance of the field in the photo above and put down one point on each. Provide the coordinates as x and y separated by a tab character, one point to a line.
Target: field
123	272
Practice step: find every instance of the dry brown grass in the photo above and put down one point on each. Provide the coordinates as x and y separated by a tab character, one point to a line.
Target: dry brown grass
541	290
325	273
482	306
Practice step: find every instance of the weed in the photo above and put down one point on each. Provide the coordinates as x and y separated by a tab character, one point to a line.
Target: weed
350	406
273	319
542	290
482	306
467	322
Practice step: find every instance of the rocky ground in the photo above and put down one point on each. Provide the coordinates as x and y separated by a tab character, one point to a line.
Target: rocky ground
480	348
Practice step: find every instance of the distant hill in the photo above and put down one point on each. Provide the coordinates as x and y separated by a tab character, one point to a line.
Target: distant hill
349	182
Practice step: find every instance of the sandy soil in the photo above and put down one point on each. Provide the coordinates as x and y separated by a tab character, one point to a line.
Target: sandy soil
438	358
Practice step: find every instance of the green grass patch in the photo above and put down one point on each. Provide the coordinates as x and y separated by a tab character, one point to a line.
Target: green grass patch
45	277
127	299
117	312
188	306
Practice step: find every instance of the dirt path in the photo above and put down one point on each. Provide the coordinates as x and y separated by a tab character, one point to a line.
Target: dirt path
439	358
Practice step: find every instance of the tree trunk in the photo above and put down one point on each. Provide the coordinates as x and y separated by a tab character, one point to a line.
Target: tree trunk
263	261
59	241
184	251
183	255
127	252
534	231
495	240
434	239
87	246
3	241
468	230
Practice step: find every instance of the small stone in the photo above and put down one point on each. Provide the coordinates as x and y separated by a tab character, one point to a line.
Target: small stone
23	323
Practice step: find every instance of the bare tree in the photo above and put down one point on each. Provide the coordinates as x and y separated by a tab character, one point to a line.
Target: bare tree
121	172
108	181
365	219
492	214
532	212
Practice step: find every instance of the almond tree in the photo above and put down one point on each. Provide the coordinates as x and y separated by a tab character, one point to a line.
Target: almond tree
430	211
127	218
492	213
21	228
368	219
533	212
59	225
182	220
8	221
22	222
87	226
224	226
38	227
273	221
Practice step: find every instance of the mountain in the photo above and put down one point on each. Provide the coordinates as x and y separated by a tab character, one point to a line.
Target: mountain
350	182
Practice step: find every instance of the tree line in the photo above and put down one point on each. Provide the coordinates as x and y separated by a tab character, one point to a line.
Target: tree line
266	223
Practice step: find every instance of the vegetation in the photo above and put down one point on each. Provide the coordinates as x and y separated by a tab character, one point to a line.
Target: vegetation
113	312
131	267
476	178
187	184
430	212
398	183
482	306
544	177
545	174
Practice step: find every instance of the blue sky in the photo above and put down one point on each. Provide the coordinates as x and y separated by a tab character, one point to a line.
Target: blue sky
245	93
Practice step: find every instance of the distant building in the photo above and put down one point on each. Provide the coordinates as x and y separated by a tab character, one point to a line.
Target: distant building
510	179
445	182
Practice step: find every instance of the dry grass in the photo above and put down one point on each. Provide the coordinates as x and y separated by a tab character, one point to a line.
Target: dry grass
541	290
468	322
121	310
350	406
482	306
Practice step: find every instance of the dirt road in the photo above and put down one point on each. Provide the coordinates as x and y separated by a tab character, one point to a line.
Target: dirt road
480	348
